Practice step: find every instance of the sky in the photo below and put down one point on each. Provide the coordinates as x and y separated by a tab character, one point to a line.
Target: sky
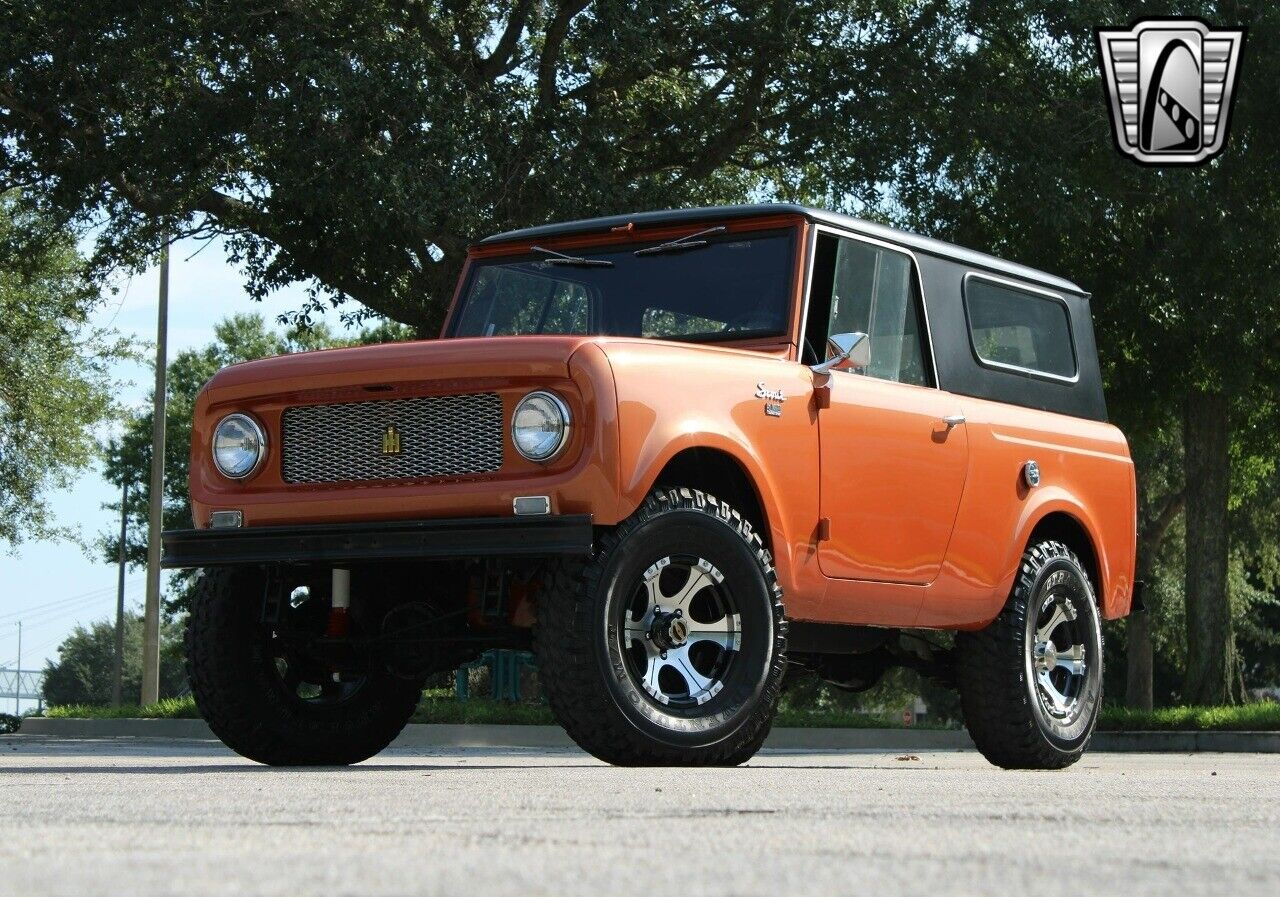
52	586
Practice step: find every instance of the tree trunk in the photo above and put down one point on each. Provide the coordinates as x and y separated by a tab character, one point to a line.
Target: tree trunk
1139	693
1139	689
1206	438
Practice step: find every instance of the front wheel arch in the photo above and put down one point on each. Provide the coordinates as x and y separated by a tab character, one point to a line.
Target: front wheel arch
717	473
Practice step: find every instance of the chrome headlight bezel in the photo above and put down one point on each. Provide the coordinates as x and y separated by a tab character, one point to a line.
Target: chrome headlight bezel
259	433
566	427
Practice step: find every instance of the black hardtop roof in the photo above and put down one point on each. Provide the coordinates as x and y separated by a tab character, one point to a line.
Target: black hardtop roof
914	242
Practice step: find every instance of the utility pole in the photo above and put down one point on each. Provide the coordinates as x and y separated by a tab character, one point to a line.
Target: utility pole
117	674
17	682
151	613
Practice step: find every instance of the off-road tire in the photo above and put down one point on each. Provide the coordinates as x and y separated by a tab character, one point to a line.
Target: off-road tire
996	679
229	670
593	699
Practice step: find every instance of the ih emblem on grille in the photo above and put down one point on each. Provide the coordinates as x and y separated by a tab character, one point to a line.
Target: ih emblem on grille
391	441
1170	83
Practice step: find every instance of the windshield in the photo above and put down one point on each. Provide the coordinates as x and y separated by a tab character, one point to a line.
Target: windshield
717	287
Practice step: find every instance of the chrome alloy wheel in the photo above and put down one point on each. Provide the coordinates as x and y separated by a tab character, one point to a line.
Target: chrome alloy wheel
1059	660
681	632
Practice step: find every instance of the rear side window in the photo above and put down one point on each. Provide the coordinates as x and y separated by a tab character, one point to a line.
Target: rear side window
1015	328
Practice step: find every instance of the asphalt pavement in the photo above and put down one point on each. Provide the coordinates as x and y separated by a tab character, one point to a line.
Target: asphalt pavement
136	817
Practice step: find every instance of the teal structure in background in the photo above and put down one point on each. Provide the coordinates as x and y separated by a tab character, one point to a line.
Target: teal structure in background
504	673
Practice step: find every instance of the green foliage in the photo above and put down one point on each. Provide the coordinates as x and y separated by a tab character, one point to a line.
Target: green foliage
166	708
438	707
55	385
9	723
1263	716
83	672
358	145
242	337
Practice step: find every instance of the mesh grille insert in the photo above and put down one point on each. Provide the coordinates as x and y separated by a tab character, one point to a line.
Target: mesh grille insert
431	436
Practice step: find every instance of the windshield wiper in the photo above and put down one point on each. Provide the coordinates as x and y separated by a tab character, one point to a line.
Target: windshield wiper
688	241
559	258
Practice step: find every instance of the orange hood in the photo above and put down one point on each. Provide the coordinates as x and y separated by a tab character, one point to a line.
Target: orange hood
397	363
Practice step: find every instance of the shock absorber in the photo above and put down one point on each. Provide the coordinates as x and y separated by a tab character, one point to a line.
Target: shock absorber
339	605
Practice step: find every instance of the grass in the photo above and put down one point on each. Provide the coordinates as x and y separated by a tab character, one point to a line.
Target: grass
1263	716
168	708
439	706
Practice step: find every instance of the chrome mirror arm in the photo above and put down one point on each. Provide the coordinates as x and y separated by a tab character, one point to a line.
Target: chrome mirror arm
844	345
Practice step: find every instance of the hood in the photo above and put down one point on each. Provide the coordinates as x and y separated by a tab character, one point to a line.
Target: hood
395	363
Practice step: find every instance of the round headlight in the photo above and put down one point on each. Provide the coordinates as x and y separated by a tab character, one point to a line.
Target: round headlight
540	426
238	446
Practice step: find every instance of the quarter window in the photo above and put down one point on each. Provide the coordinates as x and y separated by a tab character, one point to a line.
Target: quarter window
1013	328
861	287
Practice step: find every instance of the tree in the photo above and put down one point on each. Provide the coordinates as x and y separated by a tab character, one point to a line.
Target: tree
242	337
358	146
55	383
1182	263
83	672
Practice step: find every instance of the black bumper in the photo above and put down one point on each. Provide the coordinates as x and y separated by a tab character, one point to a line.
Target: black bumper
395	540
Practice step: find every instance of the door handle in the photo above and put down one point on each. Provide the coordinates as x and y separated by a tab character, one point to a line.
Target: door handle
953	420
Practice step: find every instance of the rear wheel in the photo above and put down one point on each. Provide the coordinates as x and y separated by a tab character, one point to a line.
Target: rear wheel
271	699
669	646
1031	682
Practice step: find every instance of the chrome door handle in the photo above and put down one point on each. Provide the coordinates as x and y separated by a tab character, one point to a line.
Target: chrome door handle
954	420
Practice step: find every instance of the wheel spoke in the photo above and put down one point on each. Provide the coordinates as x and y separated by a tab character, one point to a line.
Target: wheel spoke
696	684
636	629
725	632
650	679
1056	619
1050	691
655	594
1072	660
699	579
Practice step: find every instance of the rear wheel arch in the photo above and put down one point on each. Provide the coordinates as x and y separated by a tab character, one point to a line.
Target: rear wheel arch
1060	526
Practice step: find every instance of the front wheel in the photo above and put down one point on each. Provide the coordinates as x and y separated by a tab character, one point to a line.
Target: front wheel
268	697
668	647
1031	682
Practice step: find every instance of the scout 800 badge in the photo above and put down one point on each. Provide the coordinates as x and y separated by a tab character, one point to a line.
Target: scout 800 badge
1170	83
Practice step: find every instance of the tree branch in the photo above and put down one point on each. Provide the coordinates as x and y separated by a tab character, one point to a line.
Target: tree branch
499	61
1154	533
552	42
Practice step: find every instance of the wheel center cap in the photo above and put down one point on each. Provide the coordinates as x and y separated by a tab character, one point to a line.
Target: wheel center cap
669	630
1046	655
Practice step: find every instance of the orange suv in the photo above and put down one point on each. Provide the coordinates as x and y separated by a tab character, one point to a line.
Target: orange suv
676	454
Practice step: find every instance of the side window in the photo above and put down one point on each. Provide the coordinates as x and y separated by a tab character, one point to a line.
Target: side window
1014	328
871	289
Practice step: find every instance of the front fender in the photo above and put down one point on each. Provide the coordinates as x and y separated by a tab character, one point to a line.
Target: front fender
673	398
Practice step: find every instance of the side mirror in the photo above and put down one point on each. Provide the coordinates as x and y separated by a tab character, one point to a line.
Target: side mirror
854	348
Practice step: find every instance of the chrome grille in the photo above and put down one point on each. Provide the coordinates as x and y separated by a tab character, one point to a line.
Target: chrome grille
438	436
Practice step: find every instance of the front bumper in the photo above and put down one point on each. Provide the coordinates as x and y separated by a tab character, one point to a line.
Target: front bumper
567	534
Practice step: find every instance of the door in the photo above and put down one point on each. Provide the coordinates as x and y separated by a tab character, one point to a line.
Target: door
894	450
